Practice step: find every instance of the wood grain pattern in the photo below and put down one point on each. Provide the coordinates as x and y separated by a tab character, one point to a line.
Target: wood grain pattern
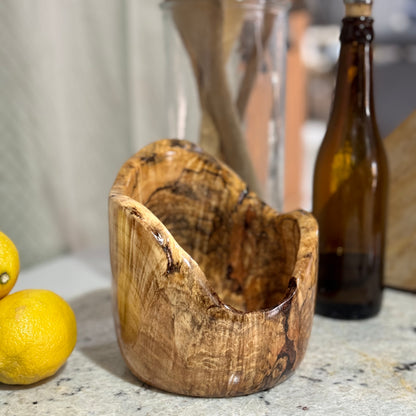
401	225
213	290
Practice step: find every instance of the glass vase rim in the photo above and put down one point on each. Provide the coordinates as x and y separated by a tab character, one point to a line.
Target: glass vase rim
269	5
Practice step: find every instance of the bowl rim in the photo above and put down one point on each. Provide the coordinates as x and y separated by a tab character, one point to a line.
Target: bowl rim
305	221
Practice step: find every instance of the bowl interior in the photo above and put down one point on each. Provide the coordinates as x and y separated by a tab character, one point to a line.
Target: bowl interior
246	250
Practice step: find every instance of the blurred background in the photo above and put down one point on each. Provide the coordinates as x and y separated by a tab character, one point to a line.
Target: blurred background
82	89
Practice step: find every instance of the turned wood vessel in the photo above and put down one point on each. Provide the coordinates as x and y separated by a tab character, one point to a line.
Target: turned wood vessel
213	290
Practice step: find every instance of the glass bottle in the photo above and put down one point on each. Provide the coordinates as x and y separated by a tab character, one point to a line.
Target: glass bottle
350	182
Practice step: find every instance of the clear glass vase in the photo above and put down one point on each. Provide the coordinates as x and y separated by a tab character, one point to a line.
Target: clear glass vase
225	84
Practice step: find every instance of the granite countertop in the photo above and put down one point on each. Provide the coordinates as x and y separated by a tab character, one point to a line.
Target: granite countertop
350	368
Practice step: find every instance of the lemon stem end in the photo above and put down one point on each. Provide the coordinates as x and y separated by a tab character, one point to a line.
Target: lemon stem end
4	278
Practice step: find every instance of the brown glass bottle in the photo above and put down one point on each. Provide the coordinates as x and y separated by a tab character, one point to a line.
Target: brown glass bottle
351	182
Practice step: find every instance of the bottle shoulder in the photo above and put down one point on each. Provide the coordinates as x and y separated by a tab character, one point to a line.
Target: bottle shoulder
356	133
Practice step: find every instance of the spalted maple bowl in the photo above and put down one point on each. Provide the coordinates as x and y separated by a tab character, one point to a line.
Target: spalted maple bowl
213	290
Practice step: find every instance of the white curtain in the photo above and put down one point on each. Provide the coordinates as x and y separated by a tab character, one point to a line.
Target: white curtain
81	89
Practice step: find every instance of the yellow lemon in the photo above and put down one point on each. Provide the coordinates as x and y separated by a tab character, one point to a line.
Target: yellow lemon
37	334
9	264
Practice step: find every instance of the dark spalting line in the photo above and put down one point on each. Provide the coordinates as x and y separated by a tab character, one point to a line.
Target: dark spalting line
151	158
180	143
182	189
288	350
194	148
179	225
189	146
249	199
181	233
136	213
172	266
178	187
216	173
176	221
211	161
157	235
131	165
174	189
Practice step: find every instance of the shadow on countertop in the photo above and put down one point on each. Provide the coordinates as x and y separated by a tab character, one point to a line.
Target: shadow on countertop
97	337
96	333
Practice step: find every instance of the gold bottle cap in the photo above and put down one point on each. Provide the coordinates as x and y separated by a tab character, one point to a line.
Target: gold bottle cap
355	8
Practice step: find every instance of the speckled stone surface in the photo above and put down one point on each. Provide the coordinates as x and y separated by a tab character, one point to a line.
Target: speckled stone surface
350	368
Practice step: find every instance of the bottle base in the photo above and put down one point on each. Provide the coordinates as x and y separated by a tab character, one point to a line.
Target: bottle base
346	311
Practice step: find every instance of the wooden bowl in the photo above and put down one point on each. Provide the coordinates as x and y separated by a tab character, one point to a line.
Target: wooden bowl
213	290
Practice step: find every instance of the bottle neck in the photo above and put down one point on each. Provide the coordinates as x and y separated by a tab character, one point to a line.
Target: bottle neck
354	84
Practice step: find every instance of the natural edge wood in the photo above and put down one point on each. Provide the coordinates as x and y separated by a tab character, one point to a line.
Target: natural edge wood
227	311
